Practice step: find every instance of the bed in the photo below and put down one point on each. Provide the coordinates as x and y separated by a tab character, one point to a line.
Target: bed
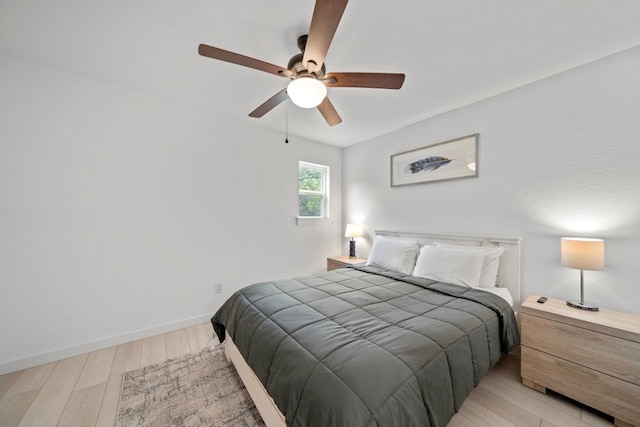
400	341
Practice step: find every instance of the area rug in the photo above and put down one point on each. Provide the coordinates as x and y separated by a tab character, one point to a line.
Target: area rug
194	390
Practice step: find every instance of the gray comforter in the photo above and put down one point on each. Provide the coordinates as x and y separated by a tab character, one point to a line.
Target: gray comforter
366	347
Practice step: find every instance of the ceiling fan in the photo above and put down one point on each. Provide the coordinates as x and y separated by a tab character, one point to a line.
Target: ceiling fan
306	70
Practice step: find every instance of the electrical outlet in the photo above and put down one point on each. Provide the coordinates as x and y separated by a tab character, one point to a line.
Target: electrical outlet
218	287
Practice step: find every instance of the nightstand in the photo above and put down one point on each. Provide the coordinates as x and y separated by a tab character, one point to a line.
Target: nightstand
343	261
590	356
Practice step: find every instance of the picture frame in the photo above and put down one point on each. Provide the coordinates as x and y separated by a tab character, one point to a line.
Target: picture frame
445	161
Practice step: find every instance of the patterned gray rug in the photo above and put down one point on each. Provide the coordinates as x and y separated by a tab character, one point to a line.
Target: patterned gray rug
194	390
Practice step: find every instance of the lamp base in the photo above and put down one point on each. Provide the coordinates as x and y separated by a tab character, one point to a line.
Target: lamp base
582	306
352	249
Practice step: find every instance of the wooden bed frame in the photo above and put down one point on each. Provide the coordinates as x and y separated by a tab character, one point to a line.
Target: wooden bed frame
508	277
269	412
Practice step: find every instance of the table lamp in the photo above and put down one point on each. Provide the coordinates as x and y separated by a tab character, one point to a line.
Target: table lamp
582	254
353	230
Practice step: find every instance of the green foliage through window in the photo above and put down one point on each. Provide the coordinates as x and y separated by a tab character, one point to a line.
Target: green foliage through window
310	179
310	205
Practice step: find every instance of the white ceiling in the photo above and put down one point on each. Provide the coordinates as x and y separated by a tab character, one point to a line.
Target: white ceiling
453	52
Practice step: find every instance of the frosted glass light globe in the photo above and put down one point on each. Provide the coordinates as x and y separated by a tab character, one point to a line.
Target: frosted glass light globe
306	92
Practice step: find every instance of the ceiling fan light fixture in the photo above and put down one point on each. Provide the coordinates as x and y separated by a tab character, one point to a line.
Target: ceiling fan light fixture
306	92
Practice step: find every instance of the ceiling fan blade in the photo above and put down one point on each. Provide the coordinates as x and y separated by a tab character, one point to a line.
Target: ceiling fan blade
324	23
246	61
329	112
270	104
367	80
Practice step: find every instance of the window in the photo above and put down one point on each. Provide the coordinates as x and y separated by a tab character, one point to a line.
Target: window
313	190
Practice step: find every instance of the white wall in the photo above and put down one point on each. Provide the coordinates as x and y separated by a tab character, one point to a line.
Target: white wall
560	157
119	211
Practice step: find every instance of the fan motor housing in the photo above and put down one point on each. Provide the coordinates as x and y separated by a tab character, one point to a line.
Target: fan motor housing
295	63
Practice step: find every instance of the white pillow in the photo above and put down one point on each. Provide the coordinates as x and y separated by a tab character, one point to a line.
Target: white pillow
397	255
450	265
490	265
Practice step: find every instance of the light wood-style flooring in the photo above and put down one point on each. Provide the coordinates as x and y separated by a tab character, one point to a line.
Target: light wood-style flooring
84	390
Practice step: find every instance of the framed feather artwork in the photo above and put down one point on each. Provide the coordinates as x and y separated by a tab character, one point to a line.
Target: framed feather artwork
453	159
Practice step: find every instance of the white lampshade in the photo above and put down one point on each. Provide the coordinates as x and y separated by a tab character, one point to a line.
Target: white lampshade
582	254
306	92
353	230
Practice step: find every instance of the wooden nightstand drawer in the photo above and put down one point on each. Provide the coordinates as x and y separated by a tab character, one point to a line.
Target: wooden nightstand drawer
604	353
603	392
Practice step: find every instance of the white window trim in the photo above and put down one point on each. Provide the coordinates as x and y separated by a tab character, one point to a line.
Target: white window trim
308	220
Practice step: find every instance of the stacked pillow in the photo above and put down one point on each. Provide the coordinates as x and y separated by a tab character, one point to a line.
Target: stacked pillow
449	265
397	255
470	266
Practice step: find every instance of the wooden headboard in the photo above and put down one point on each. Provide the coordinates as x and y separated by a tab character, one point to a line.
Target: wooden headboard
509	270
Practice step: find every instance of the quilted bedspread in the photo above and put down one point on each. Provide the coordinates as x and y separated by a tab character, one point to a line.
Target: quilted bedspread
367	347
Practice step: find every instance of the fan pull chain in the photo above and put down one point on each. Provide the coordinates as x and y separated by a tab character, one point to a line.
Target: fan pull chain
286	123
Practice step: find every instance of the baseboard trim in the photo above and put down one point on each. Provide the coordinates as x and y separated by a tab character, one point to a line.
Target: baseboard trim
63	353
